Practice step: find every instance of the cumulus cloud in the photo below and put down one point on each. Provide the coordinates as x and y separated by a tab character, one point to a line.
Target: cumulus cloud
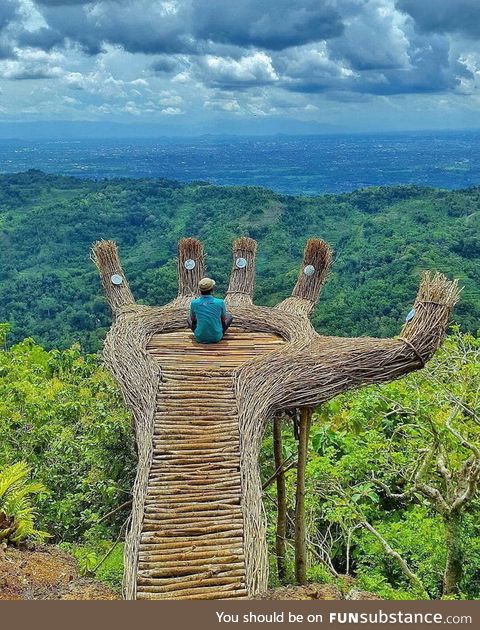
100	81
379	53
223	103
375	37
256	57
428	69
32	64
251	70
444	16
310	69
171	111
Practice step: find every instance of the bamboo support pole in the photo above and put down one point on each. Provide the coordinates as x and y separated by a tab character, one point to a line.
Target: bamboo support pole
281	530
300	524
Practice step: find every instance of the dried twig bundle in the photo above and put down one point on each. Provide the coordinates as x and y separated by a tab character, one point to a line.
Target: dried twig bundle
199	410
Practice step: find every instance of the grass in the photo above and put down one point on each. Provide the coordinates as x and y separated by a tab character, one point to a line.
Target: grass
94	562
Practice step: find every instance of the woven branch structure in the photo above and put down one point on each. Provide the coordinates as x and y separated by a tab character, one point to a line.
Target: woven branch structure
303	369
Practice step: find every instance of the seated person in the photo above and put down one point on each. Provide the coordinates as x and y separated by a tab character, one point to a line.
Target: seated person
208	317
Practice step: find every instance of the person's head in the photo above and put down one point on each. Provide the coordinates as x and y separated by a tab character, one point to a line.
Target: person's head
206	286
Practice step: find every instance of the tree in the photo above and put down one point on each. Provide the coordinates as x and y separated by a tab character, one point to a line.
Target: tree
398	464
61	414
447	473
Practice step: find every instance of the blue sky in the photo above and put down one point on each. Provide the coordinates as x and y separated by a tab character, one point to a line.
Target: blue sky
196	66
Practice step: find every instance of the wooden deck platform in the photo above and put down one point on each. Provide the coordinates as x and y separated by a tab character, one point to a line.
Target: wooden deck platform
192	539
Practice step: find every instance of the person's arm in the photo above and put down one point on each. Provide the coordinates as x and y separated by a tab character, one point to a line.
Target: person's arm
223	315
192	320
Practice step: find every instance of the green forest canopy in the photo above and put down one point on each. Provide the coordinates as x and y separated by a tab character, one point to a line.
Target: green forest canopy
382	237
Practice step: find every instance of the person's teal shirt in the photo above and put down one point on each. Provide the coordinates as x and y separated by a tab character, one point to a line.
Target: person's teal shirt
208	311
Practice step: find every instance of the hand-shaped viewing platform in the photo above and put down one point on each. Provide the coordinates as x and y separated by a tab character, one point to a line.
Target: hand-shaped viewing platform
197	529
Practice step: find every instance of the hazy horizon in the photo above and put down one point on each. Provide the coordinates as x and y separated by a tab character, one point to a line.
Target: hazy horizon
90	130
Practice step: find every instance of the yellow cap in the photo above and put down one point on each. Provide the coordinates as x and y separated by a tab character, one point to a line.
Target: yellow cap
206	284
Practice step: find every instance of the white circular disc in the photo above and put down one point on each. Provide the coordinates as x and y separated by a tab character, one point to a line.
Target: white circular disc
410	315
309	270
116	279
189	264
240	263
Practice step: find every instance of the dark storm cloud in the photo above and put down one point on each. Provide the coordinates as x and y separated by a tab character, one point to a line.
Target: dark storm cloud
444	16
139	26
429	69
166	64
189	26
265	24
46	39
65	21
5	50
9	12
28	73
62	3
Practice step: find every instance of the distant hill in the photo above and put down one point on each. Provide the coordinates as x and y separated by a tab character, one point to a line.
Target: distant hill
382	237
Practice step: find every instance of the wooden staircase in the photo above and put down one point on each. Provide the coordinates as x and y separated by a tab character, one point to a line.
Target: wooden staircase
192	537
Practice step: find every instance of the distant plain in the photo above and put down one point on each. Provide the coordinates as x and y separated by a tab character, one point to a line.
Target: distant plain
297	165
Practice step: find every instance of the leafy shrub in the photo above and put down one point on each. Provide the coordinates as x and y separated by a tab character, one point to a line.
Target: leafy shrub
377	583
318	573
417	536
17	514
102	560
61	413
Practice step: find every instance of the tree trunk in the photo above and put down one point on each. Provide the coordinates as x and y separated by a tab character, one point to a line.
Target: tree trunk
300	529
281	499
417	583
453	567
